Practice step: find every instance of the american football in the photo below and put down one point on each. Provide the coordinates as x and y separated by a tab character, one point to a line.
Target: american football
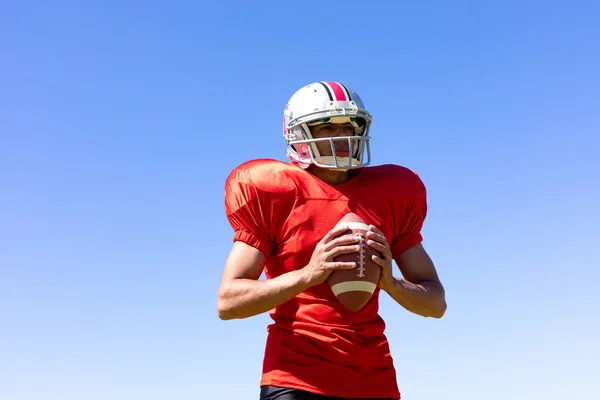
354	287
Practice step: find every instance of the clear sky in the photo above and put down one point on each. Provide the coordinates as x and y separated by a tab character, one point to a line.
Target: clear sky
120	120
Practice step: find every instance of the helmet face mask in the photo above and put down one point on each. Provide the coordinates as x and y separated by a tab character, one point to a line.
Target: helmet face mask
327	102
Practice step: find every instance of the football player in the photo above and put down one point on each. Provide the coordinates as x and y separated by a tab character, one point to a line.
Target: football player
283	216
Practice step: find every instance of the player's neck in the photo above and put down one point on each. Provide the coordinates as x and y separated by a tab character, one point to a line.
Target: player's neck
329	176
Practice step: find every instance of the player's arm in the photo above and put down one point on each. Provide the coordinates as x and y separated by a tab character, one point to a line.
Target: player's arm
421	291
242	294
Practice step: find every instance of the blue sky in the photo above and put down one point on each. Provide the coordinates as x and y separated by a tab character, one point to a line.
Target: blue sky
119	122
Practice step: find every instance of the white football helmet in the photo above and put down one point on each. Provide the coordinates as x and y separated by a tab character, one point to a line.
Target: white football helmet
326	102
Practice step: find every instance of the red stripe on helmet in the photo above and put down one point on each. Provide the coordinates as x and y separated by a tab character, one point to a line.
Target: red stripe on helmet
338	91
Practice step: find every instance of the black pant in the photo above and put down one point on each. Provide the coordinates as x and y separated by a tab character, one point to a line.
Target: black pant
279	393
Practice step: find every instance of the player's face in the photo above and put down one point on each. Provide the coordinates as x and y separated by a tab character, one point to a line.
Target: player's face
333	131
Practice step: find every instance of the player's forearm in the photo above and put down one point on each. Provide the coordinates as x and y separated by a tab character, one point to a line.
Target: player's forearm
425	298
243	298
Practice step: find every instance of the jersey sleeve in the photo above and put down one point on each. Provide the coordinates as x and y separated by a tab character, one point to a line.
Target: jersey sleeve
248	210
410	211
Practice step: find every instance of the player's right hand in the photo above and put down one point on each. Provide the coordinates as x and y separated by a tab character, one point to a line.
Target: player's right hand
322	261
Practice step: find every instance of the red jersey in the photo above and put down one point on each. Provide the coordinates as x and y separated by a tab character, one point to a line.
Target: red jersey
314	343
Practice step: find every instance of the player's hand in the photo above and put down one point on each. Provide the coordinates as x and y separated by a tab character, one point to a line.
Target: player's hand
377	240
321	263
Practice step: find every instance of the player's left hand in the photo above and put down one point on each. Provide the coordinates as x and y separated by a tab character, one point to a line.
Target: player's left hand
378	241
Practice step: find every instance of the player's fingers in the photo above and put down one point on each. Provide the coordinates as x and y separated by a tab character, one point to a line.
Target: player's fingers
341	265
337	230
378	238
342	241
339	250
373	228
384	250
380	261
